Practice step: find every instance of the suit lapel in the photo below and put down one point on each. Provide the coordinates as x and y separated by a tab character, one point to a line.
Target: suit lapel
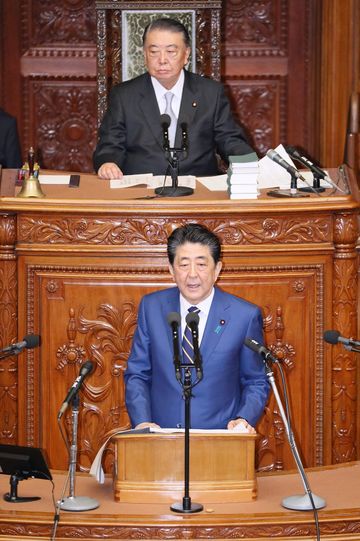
171	304
218	319
189	101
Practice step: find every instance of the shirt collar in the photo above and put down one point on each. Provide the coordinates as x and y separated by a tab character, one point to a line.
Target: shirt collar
177	89
204	306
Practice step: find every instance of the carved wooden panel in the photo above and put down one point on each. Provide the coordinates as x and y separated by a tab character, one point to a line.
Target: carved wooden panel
261	106
260	47
62	123
255	28
8	330
96	307
57	23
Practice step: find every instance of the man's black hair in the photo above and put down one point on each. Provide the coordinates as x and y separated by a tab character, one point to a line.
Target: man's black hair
166	23
194	233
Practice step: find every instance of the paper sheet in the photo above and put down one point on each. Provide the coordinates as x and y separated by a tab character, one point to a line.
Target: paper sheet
54	179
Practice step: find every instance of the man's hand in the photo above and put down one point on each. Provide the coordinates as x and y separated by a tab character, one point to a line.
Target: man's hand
147	425
241	425
110	170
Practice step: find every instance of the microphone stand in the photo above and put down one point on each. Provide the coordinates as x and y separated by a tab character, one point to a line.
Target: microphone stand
316	184
72	502
187	506
308	501
292	192
172	156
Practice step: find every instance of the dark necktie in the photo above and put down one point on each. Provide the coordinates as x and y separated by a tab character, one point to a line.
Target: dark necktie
187	343
169	111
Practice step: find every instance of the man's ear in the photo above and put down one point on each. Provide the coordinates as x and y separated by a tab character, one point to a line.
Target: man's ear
218	268
171	270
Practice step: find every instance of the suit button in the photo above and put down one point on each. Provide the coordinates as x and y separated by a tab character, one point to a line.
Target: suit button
178	425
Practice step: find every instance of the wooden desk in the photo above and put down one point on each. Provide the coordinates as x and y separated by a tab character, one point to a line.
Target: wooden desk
74	266
264	518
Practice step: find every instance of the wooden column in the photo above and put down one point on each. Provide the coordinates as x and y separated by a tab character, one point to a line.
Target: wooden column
8	329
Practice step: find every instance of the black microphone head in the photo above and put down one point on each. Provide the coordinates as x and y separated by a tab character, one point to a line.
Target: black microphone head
332	337
86	368
252	344
192	317
173	317
292	150
165	120
32	341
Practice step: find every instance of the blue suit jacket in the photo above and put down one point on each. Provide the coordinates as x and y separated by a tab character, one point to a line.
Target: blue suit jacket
234	383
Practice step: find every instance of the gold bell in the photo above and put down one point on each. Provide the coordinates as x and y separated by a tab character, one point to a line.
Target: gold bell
31	188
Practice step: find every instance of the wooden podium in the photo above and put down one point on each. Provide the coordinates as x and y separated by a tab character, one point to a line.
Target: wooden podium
149	468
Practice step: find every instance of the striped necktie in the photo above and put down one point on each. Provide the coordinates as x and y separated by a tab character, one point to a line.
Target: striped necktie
187	343
169	111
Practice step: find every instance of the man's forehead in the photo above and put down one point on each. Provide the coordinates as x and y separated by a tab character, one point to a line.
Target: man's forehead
159	35
193	250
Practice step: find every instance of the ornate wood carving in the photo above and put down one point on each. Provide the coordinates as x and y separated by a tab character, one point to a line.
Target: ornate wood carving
283	529
261	105
344	367
142	231
8	329
70	22
256	28
63	123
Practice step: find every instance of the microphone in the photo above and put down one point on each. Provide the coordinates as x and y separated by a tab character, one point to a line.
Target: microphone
261	350
333	337
192	320
174	320
165	122
84	371
184	139
29	341
305	161
275	157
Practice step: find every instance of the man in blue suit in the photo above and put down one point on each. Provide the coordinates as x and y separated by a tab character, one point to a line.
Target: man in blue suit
234	388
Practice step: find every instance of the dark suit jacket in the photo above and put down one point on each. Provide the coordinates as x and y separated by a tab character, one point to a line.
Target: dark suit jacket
131	133
10	154
234	383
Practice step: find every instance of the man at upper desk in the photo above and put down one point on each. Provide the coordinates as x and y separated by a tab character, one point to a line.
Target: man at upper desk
131	136
234	388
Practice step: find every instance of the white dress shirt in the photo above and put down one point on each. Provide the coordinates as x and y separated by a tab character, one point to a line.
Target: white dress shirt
177	90
204	307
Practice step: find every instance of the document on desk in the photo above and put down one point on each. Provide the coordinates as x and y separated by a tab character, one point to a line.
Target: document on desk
96	469
54	179
230	432
129	181
218	183
151	181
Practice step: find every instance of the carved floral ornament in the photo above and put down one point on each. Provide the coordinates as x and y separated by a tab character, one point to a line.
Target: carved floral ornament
141	231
